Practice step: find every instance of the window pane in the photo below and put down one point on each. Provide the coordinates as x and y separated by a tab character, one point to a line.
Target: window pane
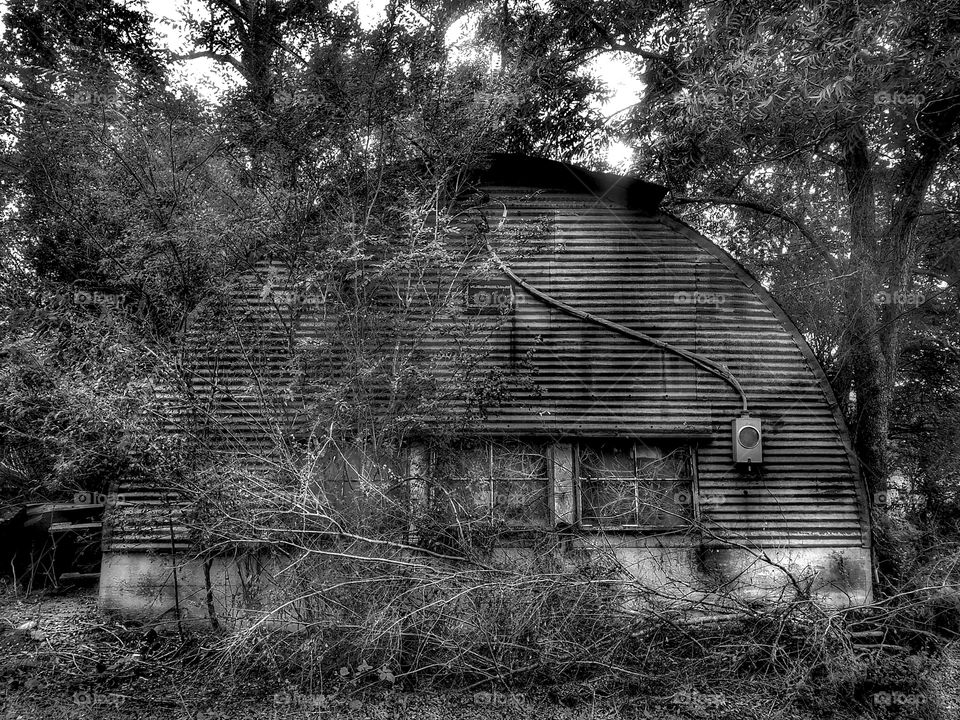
520	483
463	462
623	483
522	502
607	486
657	504
518	461
663	473
461	479
341	476
609	500
509	478
654	462
606	460
465	496
359	481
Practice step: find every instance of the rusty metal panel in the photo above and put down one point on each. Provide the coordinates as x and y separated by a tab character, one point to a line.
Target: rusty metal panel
579	380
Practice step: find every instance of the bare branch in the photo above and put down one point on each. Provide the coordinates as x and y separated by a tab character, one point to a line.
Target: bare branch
218	57
772	212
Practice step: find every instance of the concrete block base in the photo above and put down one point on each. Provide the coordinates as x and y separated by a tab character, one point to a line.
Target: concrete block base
159	589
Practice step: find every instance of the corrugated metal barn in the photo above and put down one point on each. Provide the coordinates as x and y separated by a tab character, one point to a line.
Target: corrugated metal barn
596	368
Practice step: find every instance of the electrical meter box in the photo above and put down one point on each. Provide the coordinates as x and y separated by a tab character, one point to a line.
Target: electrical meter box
747	440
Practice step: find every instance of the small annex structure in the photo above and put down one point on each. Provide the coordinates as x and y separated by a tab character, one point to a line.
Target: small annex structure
585	364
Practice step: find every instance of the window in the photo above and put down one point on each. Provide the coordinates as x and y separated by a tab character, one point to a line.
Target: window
505	480
359	484
632	484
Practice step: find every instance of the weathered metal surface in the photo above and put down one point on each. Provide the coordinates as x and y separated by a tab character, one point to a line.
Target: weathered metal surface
649	273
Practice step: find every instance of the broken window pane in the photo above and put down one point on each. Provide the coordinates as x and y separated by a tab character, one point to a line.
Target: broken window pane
461	479
519	472
356	482
507	480
632	484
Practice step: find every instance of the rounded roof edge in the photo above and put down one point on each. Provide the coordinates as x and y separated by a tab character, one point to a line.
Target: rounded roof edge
525	170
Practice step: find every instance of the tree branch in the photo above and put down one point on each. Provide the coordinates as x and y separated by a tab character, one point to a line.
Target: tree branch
773	212
217	57
611	42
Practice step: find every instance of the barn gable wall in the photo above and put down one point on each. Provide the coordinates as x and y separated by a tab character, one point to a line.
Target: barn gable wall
568	379
655	275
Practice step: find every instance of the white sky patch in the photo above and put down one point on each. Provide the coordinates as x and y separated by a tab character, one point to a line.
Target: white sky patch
622	83
619	156
369	12
210	78
625	90
462	31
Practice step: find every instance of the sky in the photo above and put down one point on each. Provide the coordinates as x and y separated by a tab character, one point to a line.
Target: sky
624	88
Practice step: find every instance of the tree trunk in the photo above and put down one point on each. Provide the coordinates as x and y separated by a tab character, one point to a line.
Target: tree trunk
870	368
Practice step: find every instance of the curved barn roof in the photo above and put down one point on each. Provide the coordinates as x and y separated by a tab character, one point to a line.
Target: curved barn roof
598	242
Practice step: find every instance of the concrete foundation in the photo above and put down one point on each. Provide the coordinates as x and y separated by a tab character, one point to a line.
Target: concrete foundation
250	589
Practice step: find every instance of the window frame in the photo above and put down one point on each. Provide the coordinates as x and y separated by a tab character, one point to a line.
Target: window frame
350	466
546	451
686	512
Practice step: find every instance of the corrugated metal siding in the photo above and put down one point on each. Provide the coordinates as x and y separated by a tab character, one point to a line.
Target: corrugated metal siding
630	269
621	265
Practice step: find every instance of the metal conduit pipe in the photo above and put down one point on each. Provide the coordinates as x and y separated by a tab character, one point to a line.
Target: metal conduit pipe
700	361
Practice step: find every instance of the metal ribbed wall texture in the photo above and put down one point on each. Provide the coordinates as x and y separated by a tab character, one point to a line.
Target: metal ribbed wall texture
656	275
534	371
